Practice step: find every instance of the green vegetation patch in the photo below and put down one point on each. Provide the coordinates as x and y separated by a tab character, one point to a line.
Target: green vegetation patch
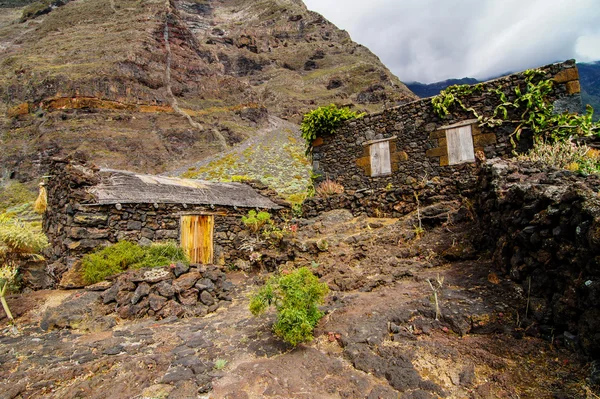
323	121
14	195
126	255
296	297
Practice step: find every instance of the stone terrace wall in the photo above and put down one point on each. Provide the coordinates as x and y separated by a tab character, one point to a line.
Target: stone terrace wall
168	291
543	228
418	153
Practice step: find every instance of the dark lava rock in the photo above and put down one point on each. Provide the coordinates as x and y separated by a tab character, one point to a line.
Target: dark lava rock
186	281
207	299
141	291
205	284
188	297
156	302
115	350
180	268
171	308
110	295
165	288
176	374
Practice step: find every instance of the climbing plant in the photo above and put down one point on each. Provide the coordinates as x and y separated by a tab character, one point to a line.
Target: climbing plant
323	121
531	105
452	95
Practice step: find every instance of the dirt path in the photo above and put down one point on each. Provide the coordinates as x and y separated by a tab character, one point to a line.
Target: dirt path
379	338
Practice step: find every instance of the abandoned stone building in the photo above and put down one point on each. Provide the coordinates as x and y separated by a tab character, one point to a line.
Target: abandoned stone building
90	207
411	149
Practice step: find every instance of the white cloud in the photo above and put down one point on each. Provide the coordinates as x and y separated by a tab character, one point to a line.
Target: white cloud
431	40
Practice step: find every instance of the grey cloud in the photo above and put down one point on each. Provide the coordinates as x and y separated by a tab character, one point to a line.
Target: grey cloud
431	40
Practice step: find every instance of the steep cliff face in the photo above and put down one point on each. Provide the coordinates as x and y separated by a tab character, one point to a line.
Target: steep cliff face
151	85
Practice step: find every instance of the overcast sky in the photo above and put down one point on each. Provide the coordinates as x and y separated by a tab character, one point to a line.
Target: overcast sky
433	40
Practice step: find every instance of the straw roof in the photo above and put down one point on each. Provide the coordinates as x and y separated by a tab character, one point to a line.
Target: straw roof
121	187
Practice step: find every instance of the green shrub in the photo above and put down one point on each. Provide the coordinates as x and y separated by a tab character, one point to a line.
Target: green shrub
255	221
323	121
295	296
126	255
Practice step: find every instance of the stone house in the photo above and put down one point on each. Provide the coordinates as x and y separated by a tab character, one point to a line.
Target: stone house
397	149
89	207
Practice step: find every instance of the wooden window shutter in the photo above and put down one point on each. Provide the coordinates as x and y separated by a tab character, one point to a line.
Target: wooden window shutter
460	145
380	159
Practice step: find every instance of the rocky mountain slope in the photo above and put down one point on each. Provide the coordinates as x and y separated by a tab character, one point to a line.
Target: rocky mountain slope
153	85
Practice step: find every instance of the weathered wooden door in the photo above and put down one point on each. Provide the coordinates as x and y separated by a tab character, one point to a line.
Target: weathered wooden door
197	238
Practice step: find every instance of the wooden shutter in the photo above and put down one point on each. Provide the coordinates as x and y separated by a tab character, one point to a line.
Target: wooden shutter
460	145
380	159
197	238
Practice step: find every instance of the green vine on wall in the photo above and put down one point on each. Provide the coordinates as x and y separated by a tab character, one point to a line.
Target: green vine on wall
531	104
452	95
323	121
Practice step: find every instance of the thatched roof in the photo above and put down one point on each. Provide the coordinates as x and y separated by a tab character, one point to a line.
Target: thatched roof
121	187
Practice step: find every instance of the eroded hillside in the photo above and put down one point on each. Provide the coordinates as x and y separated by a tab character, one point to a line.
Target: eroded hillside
153	85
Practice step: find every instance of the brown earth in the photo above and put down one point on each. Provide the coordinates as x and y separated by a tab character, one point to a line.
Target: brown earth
152	85
379	338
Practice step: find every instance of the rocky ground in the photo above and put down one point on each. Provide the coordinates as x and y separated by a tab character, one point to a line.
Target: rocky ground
379	338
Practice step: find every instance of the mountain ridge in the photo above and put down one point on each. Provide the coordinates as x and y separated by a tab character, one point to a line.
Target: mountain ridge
152	86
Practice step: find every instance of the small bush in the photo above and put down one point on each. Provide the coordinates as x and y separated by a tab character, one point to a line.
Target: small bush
329	187
220	364
255	221
295	296
565	155
126	255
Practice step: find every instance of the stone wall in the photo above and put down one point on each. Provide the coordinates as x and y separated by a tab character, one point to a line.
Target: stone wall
176	290
543	229
418	146
387	202
75	226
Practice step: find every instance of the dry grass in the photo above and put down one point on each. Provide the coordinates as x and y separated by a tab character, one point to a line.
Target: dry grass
328	188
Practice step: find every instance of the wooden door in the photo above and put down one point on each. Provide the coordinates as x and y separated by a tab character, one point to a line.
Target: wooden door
197	238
